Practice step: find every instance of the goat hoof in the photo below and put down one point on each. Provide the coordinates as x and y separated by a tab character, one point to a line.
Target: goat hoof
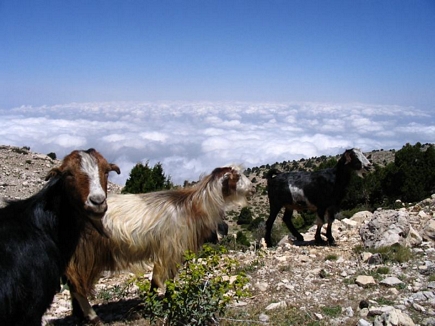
96	321
331	242
320	242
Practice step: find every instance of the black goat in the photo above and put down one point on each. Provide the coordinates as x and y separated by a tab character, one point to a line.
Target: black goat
38	235
319	191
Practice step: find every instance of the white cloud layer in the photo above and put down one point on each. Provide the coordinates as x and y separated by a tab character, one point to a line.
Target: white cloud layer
191	139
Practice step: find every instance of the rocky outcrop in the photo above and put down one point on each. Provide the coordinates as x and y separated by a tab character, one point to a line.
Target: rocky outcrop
386	228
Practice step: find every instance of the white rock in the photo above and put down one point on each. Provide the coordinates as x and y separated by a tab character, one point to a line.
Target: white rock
263	318
362	216
281	304
349	311
318	316
363	322
404	319
391	281
262	286
417	307
349	224
365	280
365	256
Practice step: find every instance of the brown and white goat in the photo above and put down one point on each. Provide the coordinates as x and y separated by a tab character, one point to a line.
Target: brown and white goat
156	228
319	191
38	235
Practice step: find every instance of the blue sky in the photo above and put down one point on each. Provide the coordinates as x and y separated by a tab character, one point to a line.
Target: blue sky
71	62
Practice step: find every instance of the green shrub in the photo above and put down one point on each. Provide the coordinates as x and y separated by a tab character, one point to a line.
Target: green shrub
331	257
245	217
242	239
395	253
118	292
200	294
52	155
332	311
255	223
383	270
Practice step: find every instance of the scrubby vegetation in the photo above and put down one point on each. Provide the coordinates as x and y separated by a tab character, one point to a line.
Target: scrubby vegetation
200	295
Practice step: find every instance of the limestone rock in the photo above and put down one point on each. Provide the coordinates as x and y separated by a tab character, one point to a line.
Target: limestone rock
429	230
386	228
391	281
365	280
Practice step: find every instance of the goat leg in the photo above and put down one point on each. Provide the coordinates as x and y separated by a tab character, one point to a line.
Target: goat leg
318	238
287	218
331	239
86	309
269	224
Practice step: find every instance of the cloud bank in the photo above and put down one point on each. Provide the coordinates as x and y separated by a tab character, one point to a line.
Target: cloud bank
191	139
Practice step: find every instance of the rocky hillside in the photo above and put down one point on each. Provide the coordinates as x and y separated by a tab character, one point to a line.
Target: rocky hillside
292	283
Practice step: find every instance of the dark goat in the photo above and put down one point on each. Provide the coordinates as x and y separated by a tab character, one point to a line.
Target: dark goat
38	235
319	191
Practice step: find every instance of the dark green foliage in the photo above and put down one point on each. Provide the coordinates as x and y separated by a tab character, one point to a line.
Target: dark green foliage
245	216
356	193
242	239
22	150
308	219
255	223
298	221
332	311
326	164
52	155
412	177
200	294
144	179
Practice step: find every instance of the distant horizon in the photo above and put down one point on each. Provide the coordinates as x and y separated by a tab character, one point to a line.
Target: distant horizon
192	138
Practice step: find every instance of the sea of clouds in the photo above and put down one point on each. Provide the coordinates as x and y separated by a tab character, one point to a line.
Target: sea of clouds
191	139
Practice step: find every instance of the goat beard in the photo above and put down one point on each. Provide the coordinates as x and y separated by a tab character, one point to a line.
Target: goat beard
98	225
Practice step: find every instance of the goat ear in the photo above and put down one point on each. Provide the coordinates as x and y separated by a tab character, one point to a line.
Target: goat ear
52	173
227	175
114	167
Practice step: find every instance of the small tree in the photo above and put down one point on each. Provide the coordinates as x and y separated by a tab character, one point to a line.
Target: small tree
52	155
411	177
245	216
144	179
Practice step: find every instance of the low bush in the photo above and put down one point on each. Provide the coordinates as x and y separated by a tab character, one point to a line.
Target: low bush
200	294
